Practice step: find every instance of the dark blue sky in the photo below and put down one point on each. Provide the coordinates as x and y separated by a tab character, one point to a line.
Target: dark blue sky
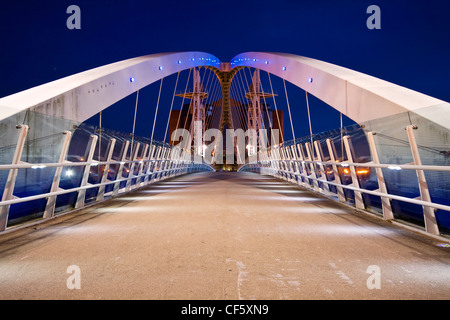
411	49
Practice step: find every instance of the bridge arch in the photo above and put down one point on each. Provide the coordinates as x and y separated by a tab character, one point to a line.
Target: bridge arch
359	96
82	95
373	103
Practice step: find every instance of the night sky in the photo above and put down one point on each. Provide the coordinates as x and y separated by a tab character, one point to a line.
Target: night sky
411	49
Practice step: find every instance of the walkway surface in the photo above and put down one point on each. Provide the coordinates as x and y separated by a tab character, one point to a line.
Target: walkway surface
221	236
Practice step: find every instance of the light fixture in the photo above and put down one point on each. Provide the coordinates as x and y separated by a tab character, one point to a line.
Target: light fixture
132	79
284	68
69	173
179	61
38	167
160	67
310	80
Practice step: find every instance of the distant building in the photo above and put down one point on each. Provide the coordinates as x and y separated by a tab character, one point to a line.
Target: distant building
271	119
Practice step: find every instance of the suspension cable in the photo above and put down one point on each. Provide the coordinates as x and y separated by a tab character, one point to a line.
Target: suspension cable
268	118
261	119
182	102
156	112
289	109
100	136
310	126
134	124
171	106
342	140
275	104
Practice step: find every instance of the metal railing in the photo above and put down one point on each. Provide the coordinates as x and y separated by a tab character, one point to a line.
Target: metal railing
293	164
156	163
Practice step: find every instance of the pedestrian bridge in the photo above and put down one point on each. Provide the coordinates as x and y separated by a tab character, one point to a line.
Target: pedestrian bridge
220	236
358	212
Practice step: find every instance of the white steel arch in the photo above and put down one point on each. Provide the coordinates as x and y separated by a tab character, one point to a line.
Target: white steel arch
80	96
359	96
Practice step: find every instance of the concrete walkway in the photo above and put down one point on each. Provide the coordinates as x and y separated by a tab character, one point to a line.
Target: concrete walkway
221	236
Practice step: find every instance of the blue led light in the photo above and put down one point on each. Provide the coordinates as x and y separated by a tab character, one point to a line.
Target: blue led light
310	80
267	62
284	68
254	59
131	79
179	61
160	67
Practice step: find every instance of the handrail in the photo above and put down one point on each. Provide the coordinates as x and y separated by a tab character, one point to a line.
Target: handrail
156	163
57	193
372	192
293	164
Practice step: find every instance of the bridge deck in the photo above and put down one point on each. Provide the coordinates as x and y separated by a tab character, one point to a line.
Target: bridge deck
221	236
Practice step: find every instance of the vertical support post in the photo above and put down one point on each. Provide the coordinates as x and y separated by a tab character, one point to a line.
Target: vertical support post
359	202
323	174
283	164
337	178
51	201
431	225
289	162
312	166
133	158
150	164
109	152
385	202
162	164
84	180
123	156
141	166
11	180
301	155
157	164
295	164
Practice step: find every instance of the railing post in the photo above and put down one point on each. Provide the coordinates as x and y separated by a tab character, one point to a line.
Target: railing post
51	201
123	156
385	202
11	180
165	162
290	163
141	166
133	158
337	178
150	164
359	202
156	164
301	154
323	174
109	152
431	225
84	180
312	166
284	164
